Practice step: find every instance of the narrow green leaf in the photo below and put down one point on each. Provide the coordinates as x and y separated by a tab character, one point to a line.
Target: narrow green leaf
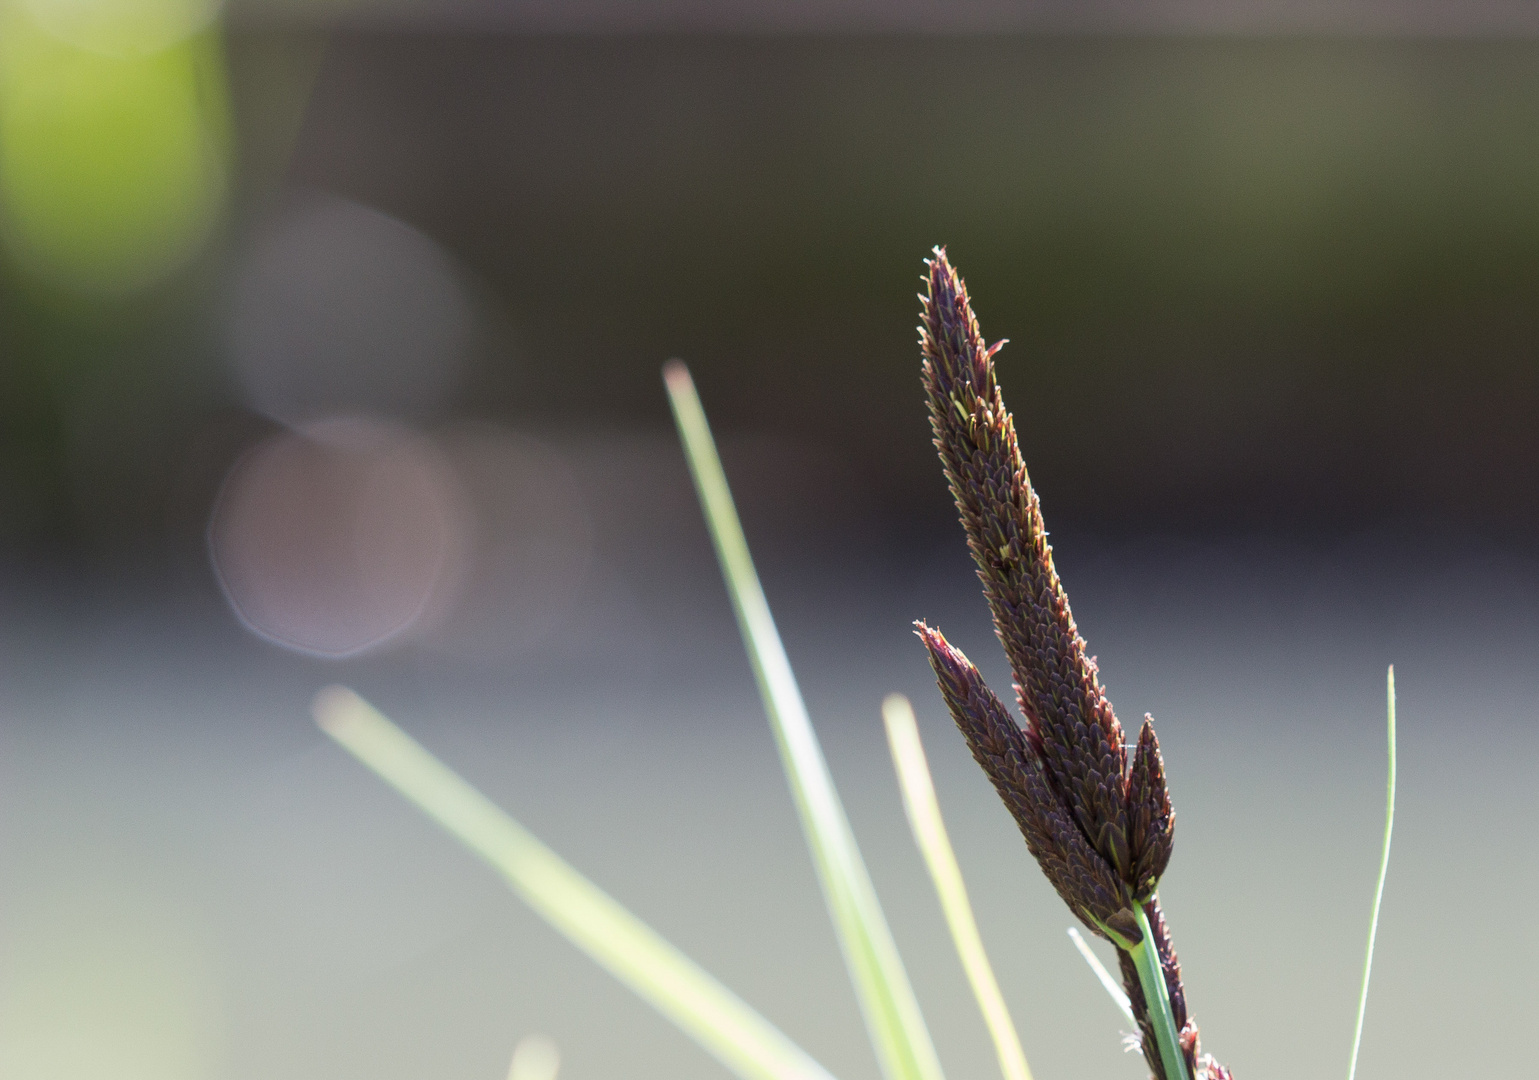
924	817
1378	892
887	1002
1151	976
1113	989
633	952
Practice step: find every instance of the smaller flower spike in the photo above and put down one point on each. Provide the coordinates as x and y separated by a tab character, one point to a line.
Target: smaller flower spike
1083	879
1151	821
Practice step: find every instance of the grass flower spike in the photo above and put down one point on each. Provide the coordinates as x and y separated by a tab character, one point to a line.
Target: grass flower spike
1100	827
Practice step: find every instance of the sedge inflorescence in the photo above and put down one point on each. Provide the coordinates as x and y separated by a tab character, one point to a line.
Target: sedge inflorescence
1100	828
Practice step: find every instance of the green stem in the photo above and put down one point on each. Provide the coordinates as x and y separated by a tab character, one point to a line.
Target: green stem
1151	974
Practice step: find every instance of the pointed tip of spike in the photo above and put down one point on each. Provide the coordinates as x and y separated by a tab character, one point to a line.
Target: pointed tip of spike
333	706
676	374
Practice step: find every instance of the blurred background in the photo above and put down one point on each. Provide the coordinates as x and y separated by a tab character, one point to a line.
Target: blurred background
330	339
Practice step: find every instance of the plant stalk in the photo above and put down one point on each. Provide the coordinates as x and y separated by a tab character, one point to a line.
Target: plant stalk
1151	973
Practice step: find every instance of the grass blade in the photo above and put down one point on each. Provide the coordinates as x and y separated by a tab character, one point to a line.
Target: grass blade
1378	892
924	817
535	1058
633	952
897	1030
1112	987
1151	975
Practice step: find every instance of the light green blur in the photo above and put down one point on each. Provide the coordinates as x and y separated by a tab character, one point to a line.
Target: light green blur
115	139
633	952
929	828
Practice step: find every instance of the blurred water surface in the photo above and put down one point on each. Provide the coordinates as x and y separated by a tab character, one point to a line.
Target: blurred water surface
198	884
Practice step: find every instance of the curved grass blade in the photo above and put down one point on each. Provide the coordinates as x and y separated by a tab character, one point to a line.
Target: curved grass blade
887	1003
633	952
1378	892
1118	995
924	817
